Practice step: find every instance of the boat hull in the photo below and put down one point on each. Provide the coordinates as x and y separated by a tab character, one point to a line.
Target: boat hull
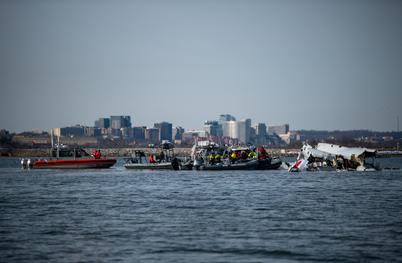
250	165
149	166
269	164
74	164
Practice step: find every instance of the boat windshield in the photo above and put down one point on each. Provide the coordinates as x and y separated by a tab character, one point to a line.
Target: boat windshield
70	152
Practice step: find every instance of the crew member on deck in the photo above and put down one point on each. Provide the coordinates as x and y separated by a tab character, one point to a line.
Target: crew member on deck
262	154
233	157
252	155
97	154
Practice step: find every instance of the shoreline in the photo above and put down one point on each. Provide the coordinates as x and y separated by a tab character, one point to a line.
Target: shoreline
122	152
181	152
110	152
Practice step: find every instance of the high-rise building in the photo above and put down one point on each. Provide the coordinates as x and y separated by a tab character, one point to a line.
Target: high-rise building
127	132
244	130
230	129
240	130
213	128
139	133
279	129
102	123
227	128
260	134
190	137
152	135
226	117
92	131
69	131
261	130
115	133
118	122
233	129
165	130
177	133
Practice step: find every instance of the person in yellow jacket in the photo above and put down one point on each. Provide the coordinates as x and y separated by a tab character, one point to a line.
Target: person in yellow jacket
252	155
233	157
211	158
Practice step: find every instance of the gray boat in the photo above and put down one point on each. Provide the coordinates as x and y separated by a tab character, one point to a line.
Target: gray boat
162	158
222	166
211	156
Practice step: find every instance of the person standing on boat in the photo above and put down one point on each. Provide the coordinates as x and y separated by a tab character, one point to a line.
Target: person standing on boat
252	155
96	154
244	155
262	153
211	158
218	158
233	157
161	156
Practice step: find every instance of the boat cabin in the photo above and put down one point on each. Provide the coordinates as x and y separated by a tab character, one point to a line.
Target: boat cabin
64	151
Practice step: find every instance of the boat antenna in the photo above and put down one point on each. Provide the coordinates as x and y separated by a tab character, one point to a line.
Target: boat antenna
51	138
58	146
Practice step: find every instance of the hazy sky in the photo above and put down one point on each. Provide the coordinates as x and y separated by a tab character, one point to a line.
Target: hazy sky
313	64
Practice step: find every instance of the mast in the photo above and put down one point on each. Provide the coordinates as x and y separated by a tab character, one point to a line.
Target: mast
51	142
58	147
51	138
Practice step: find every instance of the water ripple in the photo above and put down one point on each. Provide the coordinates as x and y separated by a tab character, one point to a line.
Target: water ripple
241	216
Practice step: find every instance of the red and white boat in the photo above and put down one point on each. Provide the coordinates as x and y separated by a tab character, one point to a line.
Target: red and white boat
63	157
84	163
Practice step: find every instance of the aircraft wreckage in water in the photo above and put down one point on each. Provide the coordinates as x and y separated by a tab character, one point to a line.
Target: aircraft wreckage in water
327	156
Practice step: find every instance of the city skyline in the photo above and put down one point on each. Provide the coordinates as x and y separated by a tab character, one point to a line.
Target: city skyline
95	123
322	65
118	130
151	124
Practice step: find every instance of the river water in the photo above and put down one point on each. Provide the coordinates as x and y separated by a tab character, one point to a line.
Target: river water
199	216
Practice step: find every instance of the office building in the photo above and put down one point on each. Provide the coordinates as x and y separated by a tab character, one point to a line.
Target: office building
177	133
165	130
152	135
139	133
118	122
213	128
260	137
244	130
127	132
261	130
92	132
278	129
69	131
190	137
226	117
102	123
240	130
